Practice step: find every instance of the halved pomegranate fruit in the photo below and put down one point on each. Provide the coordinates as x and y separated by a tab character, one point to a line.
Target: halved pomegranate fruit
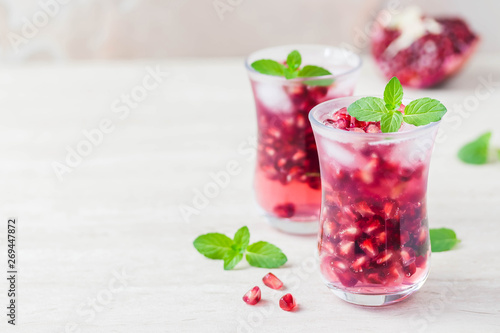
421	51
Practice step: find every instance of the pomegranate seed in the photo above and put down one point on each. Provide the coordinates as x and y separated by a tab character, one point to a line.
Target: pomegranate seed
274	132
381	237
345	249
350	232
314	183
270	151
329	228
341	124
422	236
343	273
404	237
368	247
372	227
410	269
287	302
285	210
359	263
253	296
301	121
394	275
421	261
281	162
374	278
298	155
384	257
390	209
272	281
363	209
372	128
407	256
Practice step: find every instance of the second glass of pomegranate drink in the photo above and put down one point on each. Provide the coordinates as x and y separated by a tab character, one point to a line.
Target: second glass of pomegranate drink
373	244
287	178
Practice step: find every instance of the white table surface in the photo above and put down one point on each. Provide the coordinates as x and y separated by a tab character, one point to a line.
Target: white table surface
118	212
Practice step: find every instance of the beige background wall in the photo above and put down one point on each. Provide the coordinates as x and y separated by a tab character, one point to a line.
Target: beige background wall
98	29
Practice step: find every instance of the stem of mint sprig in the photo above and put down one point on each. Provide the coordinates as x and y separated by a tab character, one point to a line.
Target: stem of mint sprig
419	112
291	69
221	247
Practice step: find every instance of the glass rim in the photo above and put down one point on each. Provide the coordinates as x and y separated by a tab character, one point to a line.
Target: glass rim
416	131
298	46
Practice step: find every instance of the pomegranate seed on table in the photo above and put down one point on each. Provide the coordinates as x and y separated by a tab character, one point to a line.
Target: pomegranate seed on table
272	281
287	302
253	296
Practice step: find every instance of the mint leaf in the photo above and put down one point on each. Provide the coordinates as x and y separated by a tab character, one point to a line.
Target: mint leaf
391	121
269	67
367	109
213	245
289	74
231	259
312	71
265	255
241	239
443	239
393	94
476	152
294	60
423	111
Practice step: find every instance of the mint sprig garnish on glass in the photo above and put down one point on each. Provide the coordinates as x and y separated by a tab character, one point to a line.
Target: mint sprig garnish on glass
221	247
291	69
419	112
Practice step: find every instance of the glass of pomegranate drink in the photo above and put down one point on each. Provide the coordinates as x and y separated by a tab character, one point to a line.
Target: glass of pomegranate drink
287	179
374	246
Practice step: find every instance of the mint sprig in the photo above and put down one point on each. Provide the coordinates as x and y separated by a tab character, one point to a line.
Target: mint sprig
419	112
221	247
291	69
443	239
476	152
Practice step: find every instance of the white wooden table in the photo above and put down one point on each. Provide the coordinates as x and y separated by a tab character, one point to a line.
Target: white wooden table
117	212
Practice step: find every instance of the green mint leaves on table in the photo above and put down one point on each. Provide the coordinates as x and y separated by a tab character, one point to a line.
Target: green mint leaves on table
220	246
443	239
292	69
419	112
476	152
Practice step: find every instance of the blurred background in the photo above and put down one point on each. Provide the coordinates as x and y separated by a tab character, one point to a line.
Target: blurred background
60	30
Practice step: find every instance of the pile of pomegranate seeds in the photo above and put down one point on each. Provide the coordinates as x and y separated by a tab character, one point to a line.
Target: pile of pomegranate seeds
272	281
287	302
253	296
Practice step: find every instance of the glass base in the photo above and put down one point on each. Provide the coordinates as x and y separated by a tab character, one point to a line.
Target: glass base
294	227
375	299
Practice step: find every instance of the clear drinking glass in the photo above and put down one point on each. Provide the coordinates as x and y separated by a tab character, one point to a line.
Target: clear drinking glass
374	246
287	180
